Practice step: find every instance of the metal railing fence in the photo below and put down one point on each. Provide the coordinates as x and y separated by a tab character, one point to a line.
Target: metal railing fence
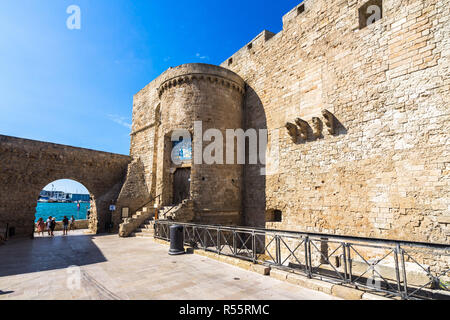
408	270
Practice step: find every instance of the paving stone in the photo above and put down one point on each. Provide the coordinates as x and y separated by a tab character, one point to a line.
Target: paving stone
129	268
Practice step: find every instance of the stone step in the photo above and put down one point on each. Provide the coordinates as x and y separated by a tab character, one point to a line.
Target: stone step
141	235
137	215
143	230
164	210
146	226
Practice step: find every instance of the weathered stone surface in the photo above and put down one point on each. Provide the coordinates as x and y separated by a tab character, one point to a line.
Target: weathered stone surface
367	152
129	225
279	274
260	269
346	293
383	171
370	296
371	155
185	212
415	274
129	269
444	220
313	284
27	166
174	101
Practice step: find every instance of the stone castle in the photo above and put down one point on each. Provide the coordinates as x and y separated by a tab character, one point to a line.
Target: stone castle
360	114
355	103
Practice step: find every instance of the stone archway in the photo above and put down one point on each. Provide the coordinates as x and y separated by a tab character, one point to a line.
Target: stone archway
27	166
59	199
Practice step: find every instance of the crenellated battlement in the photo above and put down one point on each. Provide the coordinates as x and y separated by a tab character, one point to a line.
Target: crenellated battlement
259	41
256	44
300	10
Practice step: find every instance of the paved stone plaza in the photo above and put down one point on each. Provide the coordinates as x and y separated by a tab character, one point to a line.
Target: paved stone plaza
131	268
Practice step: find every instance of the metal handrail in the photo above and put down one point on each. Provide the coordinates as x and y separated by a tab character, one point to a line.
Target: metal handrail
170	210
416	244
153	199
300	252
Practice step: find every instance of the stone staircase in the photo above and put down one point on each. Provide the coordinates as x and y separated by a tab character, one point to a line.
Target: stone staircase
142	223
144	211
164	210
184	212
129	225
145	230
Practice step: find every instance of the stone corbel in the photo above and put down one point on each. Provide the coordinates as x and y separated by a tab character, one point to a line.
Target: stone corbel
329	121
303	125
317	127
292	130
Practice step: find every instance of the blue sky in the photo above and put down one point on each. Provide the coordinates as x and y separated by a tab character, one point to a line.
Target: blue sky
76	87
68	186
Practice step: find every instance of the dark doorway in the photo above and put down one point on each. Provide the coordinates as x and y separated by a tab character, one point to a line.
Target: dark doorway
181	185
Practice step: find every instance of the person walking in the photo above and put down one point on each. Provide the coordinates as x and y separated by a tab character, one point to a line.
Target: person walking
40	226
72	223
49	224
53	226
65	226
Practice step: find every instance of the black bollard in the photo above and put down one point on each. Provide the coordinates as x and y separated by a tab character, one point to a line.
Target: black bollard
176	240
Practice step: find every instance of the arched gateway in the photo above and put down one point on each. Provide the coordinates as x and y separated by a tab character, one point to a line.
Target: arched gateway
26	166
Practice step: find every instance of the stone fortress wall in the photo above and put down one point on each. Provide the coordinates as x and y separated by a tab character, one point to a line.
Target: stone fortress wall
383	171
27	166
360	114
357	114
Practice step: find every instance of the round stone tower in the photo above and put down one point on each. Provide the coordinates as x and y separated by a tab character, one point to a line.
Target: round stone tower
197	98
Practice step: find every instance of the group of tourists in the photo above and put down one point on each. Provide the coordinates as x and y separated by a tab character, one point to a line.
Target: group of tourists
50	225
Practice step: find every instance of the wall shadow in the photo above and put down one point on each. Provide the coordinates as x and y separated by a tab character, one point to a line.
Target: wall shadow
3	293
254	194
341	130
23	256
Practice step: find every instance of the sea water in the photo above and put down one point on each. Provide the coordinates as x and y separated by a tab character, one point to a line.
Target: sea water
59	210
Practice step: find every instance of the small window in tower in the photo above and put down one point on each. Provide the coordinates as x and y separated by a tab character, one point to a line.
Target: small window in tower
274	216
249	46
300	9
370	12
230	61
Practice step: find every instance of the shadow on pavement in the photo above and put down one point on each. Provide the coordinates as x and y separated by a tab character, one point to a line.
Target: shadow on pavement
22	256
